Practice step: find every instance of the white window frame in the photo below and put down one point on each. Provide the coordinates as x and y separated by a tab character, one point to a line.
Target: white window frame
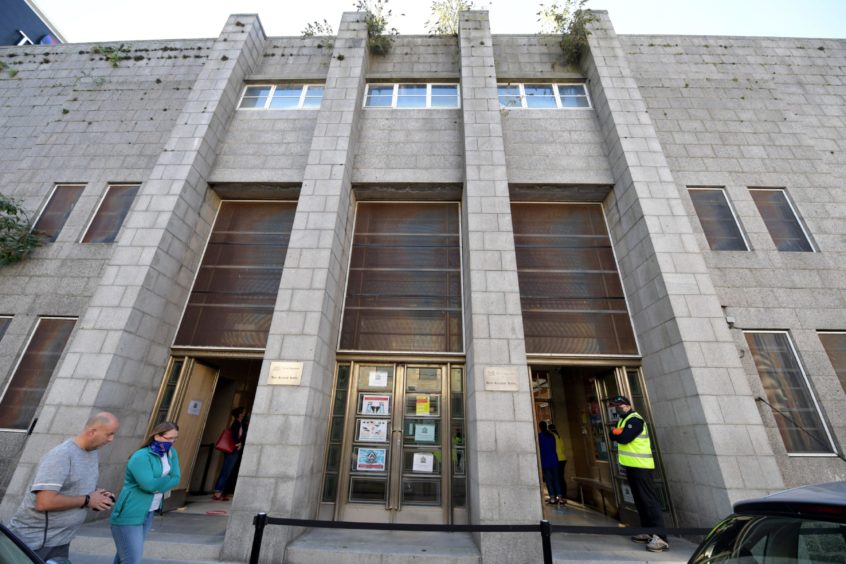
734	215
395	95
303	95
555	94
793	210
814	401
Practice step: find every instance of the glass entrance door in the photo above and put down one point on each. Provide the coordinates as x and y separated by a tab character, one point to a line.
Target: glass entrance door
394	467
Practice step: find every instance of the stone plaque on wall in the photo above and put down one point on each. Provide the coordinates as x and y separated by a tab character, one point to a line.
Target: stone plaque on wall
285	373
501	378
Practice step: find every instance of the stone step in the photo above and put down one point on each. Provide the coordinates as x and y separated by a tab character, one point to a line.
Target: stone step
161	550
319	546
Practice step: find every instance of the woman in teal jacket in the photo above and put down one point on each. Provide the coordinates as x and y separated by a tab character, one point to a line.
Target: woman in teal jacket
150	472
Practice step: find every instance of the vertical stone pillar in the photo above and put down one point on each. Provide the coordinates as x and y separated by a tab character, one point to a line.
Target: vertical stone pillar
713	441
503	470
115	358
282	467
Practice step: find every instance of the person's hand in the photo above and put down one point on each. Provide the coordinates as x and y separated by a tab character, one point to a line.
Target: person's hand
101	500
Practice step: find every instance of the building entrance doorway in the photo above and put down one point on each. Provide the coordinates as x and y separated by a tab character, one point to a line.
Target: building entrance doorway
396	450
575	399
198	394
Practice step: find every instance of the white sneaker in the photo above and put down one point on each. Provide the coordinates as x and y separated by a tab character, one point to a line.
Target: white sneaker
657	544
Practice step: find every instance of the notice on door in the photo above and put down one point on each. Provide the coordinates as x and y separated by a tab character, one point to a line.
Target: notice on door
375	405
370	460
424	432
194	407
373	430
285	373
423	462
423	405
501	378
378	379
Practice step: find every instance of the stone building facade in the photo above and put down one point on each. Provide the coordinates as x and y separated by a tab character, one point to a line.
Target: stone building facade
713	164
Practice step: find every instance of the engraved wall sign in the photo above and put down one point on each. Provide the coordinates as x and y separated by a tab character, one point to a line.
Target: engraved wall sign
285	373
501	378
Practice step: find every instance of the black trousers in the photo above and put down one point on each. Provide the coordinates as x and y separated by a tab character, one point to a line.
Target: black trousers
562	464
646	500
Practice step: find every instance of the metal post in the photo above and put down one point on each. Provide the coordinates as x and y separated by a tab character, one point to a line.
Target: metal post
546	540
260	522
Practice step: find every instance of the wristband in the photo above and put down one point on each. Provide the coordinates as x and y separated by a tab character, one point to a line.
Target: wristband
87	501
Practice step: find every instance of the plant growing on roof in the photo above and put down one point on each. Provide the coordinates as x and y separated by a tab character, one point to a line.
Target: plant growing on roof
317	28
16	237
376	14
569	19
114	55
445	16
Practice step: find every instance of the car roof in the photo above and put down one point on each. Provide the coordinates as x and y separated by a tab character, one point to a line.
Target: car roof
822	501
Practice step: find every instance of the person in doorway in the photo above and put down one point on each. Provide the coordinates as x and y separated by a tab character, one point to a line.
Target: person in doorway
634	452
549	464
239	431
562	461
151	471
64	488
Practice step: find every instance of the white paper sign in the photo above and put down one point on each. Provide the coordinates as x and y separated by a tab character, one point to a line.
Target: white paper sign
423	462
501	378
378	379
424	432
194	407
373	430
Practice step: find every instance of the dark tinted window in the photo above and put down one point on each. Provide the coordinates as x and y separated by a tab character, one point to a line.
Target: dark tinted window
570	291
781	220
231	303
4	324
57	210
717	220
404	281
110	215
32	376
788	392
835	346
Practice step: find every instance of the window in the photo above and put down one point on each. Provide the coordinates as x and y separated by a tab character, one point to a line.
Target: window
282	97
559	96
57	210
5	321
411	96
781	220
32	375
231	303
834	344
404	280
570	291
111	213
792	403
717	219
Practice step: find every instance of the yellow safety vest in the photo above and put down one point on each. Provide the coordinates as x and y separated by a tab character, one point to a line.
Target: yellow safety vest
638	453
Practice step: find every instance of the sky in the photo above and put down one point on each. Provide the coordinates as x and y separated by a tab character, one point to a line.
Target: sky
82	21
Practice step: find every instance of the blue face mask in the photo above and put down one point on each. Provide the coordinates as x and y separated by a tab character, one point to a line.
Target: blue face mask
160	448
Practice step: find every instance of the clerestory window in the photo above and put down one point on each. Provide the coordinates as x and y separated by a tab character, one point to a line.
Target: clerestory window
281	97
540	96
411	96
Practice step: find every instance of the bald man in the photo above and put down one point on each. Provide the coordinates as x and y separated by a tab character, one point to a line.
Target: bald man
64	489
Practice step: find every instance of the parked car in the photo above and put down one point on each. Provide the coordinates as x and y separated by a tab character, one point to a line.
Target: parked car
804	525
13	551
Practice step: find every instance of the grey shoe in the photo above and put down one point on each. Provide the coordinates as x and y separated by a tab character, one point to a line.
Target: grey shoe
657	544
643	538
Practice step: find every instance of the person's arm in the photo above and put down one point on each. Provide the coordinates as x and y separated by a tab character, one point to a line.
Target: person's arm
141	469
49	500
632	430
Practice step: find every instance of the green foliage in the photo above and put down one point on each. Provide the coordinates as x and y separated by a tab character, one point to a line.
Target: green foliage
569	19
16	237
445	16
318	28
13	73
376	14
114	55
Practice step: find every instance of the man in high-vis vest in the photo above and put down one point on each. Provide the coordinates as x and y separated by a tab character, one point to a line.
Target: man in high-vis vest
634	452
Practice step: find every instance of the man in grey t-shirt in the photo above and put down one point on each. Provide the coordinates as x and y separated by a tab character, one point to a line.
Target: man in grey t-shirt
64	487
